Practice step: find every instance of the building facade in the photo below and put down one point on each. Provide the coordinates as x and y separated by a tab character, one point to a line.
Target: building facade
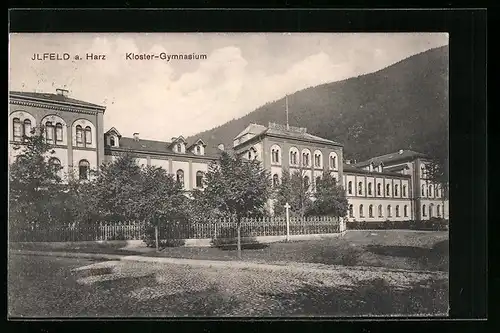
388	187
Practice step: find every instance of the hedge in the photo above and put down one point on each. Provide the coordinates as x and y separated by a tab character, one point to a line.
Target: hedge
432	224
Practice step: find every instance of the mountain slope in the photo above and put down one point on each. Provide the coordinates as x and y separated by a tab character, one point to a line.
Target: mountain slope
403	106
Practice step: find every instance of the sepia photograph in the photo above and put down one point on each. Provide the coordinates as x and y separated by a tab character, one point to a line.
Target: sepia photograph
228	175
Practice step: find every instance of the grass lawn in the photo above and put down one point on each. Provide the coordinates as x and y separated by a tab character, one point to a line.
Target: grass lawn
415	250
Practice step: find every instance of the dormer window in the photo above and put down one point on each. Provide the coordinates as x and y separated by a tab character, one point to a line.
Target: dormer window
112	141
178	146
198	150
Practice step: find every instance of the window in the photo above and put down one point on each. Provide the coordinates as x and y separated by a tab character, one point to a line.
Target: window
396	190
180	177
438	210
59	132
112	141
333	161
27	127
54	165
305	159
397	210
275	155
49	131
430	192
405	210
351	213
379	189
380	214
422	170
276	180
370	211
83	169
198	150
388	190
369	188
360	188
389	211
16	124
430	210
349	187
88	135
423	211
178	147
249	155
361	211
318	181
404	190
79	134
317	160
293	156
423	189
306	182
199	179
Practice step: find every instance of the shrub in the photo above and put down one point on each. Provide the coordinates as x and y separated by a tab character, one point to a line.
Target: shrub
436	224
227	237
150	240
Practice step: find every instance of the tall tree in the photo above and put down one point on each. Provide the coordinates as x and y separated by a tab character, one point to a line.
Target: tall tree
294	189
329	198
236	189
33	182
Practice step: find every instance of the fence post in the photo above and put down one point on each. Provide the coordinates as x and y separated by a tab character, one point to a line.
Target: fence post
215	229
287	206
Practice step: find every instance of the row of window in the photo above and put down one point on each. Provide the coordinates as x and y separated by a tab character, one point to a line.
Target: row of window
430	210
306	181
83	167
430	191
180	178
53	132
379	189
380	211
294	157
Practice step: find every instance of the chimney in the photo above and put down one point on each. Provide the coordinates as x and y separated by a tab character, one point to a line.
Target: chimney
221	146
136	136
401	152
62	92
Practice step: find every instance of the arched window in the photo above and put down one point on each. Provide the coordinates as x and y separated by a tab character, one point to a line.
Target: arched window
180	177
318	181
396	190
431	206
198	150
349	187
59	132
294	156
423	189
380	214
438	210
423	211
405	210
275	154
305	159
379	189
397	210
369	188
54	165
370	211
276	180
360	188
83	169
388	189
404	190
27	127
49	131
178	146
16	129
112	141
351	212
79	134
389	211
333	161
199	179
306	182
318	163
430	192
88	135
422	171
361	211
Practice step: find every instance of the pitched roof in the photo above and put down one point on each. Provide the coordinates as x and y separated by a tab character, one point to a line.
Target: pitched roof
402	155
353	169
54	98
153	146
255	129
112	129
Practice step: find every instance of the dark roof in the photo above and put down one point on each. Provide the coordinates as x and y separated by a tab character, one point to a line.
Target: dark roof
353	169
54	98
405	155
152	146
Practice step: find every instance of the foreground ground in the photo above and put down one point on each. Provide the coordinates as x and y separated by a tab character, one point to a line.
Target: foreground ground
400	249
62	287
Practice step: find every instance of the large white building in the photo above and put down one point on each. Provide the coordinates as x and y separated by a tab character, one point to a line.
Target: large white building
388	187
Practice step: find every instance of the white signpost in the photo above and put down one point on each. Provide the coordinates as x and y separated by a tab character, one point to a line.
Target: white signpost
287	206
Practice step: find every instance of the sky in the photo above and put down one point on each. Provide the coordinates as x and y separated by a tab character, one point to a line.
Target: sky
162	99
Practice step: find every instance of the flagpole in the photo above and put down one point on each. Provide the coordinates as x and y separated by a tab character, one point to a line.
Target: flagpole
286	102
